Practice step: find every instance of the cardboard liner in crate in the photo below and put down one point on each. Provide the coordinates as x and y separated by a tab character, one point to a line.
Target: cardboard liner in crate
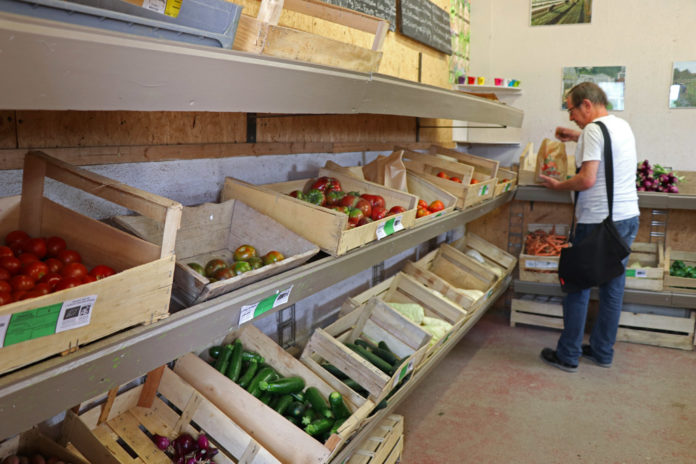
282	438
645	268
33	442
497	260
138	294
100	433
507	182
384	445
325	227
214	231
373	322
454	275
674	283
535	268
403	288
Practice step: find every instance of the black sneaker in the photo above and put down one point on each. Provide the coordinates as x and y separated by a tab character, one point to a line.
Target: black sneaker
549	357
587	353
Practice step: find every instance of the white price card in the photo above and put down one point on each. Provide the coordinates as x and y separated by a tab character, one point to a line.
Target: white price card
75	313
4	322
387	228
249	312
542	265
638	273
483	190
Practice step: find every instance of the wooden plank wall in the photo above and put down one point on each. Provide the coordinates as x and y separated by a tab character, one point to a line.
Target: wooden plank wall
93	137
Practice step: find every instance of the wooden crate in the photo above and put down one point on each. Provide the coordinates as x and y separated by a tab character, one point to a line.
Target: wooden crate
384	445
403	288
429	192
467	194
138	294
325	227
493	256
650	274
374	321
541	268
679	284
32	442
214	231
485	173
285	440
644	328
446	270
507	182
262	35
109	434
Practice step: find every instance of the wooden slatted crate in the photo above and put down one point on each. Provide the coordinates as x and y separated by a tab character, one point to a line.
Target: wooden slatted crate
32	442
507	182
112	433
674	283
282	438
499	261
447	270
429	192
214	231
325	227
403	288
645	270
384	445
262	35
485	178
535	268
138	294
373	322
537	310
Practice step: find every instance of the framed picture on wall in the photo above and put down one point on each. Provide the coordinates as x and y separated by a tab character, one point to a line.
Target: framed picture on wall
554	12
611	79
682	92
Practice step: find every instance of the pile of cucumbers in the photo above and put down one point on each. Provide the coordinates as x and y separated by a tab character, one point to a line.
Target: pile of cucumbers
305	407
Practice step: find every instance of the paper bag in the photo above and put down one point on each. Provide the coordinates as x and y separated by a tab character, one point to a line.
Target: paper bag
388	171
352	171
551	161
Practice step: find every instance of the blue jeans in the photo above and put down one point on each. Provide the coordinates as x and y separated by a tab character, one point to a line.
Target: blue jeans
603	336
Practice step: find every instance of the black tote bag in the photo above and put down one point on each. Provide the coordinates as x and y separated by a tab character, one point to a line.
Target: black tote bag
597	259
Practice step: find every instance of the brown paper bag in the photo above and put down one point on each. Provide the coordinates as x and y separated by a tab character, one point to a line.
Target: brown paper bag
352	171
388	171
551	161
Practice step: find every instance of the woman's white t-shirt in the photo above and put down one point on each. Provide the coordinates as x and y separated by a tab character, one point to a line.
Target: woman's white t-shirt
592	205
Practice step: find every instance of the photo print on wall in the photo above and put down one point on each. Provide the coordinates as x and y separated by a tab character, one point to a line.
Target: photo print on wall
682	92
611	79
553	12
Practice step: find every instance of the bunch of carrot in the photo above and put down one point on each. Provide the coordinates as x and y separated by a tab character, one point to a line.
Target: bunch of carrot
542	243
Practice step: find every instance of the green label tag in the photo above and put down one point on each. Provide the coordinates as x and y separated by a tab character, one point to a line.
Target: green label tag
639	273
483	190
507	187
249	312
402	373
389	227
31	324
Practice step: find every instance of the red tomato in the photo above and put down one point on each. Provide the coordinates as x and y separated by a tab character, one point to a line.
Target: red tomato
4	274
5	286
51	279
69	256
54	264
354	216
443	175
55	245
35	269
68	282
74	270
379	212
375	200
88	279
5	298
16	236
28	258
420	212
19	295
364	206
474	181
396	210
36	246
6	251
456	179
101	271
436	206
327	184
422	204
42	289
11	263
363	221
21	282
349	200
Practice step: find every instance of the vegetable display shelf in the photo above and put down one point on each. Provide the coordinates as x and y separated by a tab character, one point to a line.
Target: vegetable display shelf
41	391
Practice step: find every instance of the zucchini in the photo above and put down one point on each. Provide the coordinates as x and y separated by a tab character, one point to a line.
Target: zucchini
378	362
265	374
249	374
382	344
235	366
356	387
387	355
338	407
223	359
319	404
283	386
337	424
335	371
283	404
214	351
309	416
365	344
249	355
299	396
266	398
296	409
319	426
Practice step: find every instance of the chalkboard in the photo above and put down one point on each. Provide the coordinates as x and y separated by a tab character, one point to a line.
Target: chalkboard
385	9
427	23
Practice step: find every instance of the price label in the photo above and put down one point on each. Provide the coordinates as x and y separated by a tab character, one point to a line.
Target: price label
166	7
638	273
541	265
507	187
403	372
249	312
483	190
389	227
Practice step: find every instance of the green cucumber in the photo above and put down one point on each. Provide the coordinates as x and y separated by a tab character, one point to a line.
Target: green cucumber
223	359
378	362
214	351
387	355
319	426
364	344
283	386
265	374
338	406
356	387
296	409
309	416
382	344
283	404
266	398
299	396
335	371
249	374
337	425
249	355
235	366
319	404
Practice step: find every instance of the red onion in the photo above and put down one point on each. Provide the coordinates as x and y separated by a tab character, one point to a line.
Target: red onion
161	442
203	442
187	443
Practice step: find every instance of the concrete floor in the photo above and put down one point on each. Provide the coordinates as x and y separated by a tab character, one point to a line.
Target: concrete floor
492	400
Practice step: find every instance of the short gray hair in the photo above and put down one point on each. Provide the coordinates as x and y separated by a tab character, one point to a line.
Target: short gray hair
590	91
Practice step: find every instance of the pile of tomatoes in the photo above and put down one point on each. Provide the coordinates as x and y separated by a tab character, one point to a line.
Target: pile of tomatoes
35	266
425	209
444	175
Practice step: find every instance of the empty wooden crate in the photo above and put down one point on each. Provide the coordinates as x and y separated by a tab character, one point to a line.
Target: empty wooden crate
497	260
645	268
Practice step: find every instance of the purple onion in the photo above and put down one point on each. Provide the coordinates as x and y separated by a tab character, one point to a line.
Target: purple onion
641	189
673	189
161	442
203	442
192	460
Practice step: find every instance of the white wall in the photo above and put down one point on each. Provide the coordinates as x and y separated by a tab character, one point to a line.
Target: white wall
645	36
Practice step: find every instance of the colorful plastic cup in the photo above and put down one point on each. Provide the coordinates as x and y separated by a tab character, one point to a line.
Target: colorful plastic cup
472	80
498	81
481	80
